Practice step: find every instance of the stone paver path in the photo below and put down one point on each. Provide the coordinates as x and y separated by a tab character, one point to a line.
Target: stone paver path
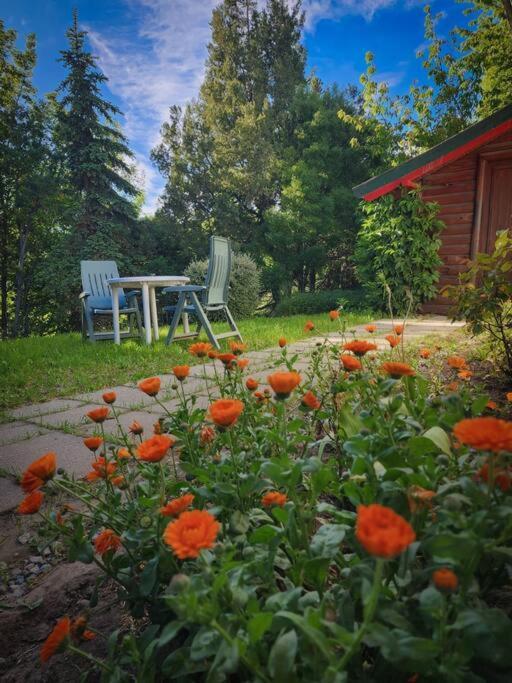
60	425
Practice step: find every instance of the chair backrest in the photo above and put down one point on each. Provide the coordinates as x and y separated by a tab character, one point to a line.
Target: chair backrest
219	271
94	280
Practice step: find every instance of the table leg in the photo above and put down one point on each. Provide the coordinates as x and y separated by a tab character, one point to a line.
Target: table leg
154	313
115	314
146	311
186	326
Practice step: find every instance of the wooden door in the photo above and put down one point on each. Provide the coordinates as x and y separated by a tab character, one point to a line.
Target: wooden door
496	209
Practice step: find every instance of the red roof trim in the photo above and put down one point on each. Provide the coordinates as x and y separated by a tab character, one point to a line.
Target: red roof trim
441	161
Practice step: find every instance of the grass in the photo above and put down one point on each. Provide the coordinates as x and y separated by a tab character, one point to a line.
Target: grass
41	368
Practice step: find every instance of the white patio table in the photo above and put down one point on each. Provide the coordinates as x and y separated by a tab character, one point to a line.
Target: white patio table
148	285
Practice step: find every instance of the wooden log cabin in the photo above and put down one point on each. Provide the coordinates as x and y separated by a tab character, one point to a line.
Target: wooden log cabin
470	177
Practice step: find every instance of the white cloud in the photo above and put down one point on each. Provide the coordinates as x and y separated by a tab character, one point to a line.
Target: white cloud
318	10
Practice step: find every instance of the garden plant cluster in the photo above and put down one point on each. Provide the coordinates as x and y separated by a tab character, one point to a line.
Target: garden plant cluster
348	523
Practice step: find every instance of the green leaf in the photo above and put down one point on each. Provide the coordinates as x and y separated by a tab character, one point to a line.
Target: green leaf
258	625
264	534
282	656
170	631
440	438
327	540
453	547
148	577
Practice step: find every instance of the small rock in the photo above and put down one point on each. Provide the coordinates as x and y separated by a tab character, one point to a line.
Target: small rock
24	538
20	579
30	567
47	552
36	559
16	572
45	567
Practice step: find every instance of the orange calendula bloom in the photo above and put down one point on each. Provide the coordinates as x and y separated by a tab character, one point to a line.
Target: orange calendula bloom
93	442
509	396
155	448
334	315
444	579
398	329
105	541
227	359
359	347
243	363
453	386
101	469
397	370
136	428
485	433
57	639
181	372
123	454
419	498
425	353
283	383
251	383
309	326
491	405
502	476
31	503
207	435
282	342
456	362
109	396
39	472
150	386
350	363
370	328
382	532
465	374
79	629
226	411
309	400
392	340
237	347
192	532
98	415
175	507
200	349
274	499
213	354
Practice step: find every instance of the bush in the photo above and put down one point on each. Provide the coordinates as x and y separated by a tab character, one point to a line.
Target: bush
397	247
245	283
319	302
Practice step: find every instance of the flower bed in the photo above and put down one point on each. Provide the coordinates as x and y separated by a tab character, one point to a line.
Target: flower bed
347	523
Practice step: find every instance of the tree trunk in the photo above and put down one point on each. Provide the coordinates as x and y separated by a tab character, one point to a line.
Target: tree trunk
312	280
3	282
507	6
20	280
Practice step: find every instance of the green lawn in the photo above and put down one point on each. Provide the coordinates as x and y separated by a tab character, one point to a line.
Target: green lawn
40	368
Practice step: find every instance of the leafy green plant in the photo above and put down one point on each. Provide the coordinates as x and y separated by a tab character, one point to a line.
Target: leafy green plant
322	300
483	297
398	245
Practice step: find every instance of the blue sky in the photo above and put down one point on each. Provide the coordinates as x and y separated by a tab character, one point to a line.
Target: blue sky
153	51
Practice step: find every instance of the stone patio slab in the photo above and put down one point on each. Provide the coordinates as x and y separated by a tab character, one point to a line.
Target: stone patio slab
111	427
72	418
10	432
10	494
34	409
127	397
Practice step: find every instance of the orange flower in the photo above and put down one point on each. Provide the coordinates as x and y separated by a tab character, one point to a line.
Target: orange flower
136	428
226	411
282	342
309	326
106	540
259	396
425	353
207	435
419	498
157	427
118	481
309	400
381	531
397	370
509	396
98	414
57	639
150	386
398	329
465	374
350	363
123	454
155	448
39	472
237	347
370	328
227	359
101	469
191	532
359	347
274	499
243	363
251	384
502	476
79	629
283	383
181	372
93	442
444	579
491	405
109	396
453	386
393	340
31	503
485	433
175	507
334	315
212	354
200	349
456	362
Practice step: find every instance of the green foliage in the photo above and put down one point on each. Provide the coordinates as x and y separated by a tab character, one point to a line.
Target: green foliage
483	297
322	300
244	284
397	247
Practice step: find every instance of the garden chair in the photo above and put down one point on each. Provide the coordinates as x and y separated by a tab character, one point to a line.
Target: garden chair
213	296
96	300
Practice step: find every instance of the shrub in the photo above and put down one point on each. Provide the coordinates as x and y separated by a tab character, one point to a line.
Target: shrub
484	296
323	300
398	246
245	282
